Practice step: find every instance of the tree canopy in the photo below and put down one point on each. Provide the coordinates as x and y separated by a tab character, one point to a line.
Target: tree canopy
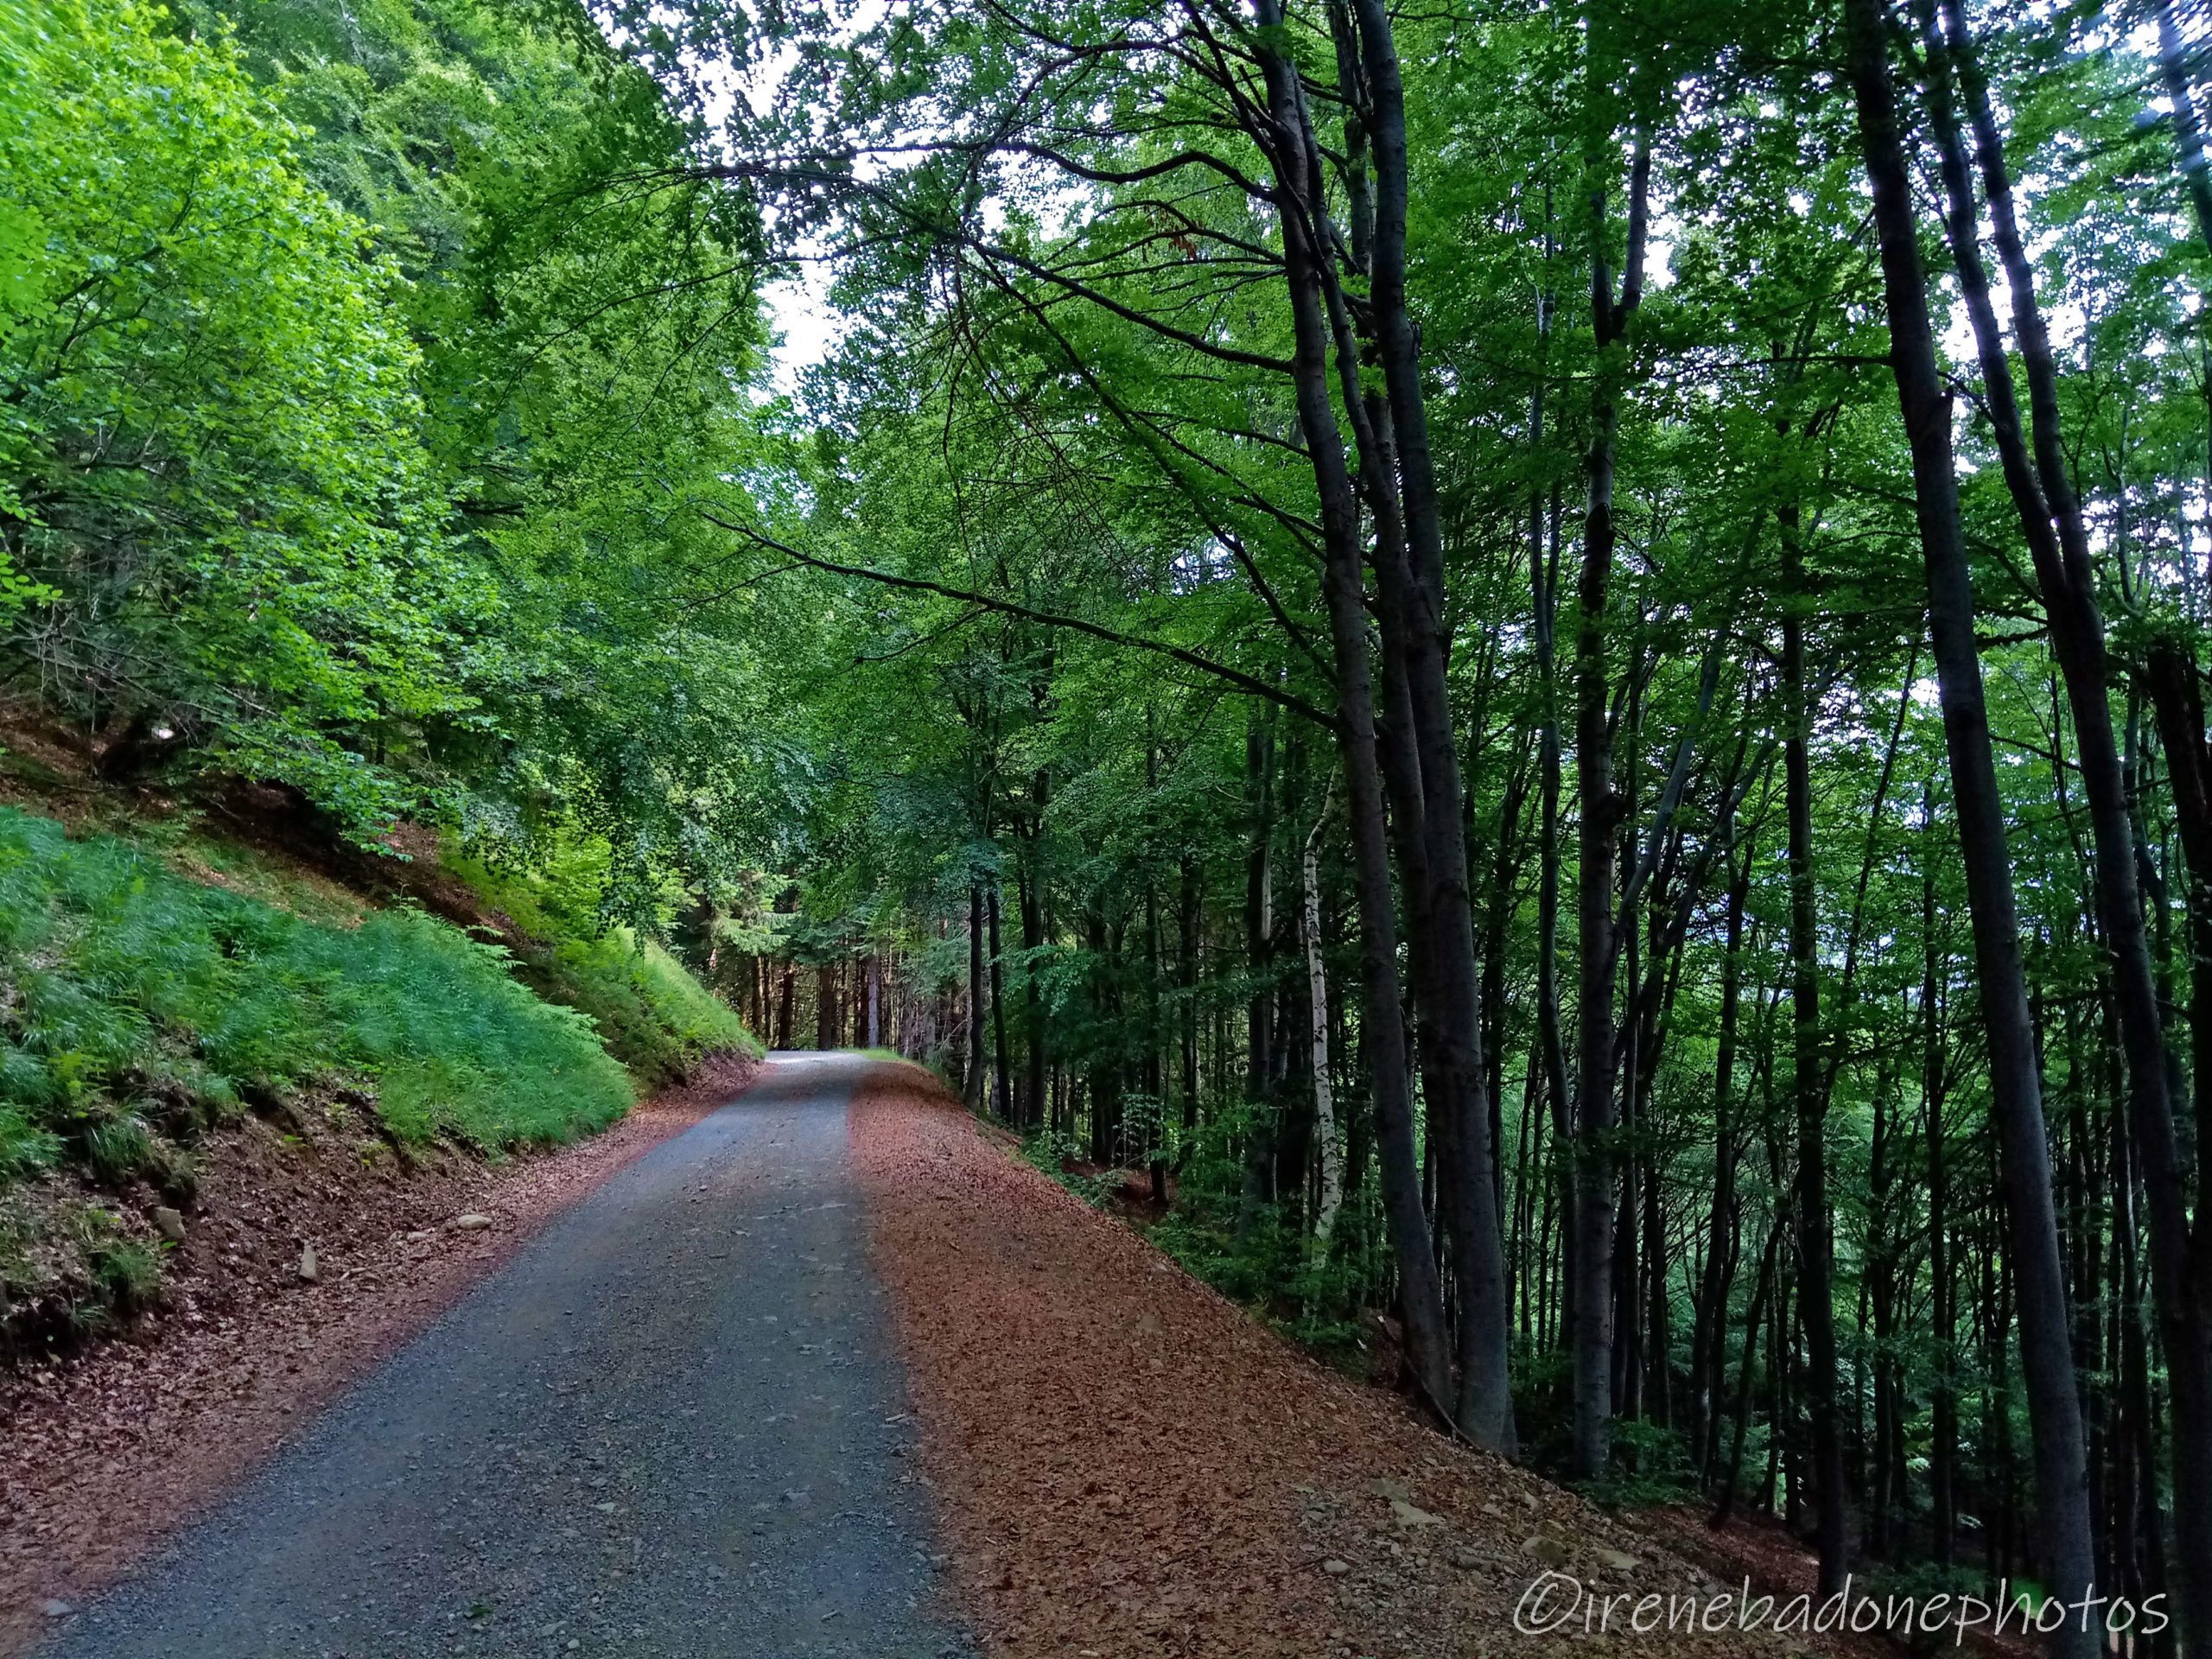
1540	668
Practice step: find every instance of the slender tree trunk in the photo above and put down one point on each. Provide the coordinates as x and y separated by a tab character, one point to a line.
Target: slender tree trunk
1317	995
1602	809
2016	1087
1259	937
1816	1244
1745	1372
1002	1077
1709	1344
1186	982
2189	129
1551	1046
1943	1400
1032	1004
974	1089
2178	1270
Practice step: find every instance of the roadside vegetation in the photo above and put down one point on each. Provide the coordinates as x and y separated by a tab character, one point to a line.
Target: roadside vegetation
140	997
653	1014
340	415
1471	637
146	1011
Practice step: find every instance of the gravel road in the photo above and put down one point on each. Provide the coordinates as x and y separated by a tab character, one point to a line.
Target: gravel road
674	1426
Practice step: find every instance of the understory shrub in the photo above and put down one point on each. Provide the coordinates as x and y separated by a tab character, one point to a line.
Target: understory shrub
649	1010
124	980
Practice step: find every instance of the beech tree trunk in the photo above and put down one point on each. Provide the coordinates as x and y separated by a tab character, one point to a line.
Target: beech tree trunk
1342	586
1453	1025
2036	473
2016	1105
972	1086
1602	809
1816	1243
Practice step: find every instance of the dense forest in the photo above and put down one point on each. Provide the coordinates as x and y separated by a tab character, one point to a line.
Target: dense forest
1549	659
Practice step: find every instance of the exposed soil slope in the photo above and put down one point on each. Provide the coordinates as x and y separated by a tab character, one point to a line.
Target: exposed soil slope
104	1453
1126	1464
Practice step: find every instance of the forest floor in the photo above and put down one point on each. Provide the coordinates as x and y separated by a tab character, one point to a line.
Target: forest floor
1126	1464
972	1406
110	1449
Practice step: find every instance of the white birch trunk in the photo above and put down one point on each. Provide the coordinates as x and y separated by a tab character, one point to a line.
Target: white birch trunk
1317	986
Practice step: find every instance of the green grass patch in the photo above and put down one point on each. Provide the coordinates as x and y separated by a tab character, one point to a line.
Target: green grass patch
654	1017
651	1013
24	1147
129	981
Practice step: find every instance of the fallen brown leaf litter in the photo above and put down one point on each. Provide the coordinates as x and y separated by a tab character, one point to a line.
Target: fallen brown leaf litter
1125	1464
299	1269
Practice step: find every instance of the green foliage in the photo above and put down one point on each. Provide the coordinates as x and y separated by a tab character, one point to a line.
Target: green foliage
126	1274
1651	1466
209	446
382	411
130	978
651	1015
360	416
24	1147
1268	1264
1051	1152
1276	1271
116	1148
649	1010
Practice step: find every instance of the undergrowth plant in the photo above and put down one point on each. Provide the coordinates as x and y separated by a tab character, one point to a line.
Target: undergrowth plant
653	1016
1245	1252
129	984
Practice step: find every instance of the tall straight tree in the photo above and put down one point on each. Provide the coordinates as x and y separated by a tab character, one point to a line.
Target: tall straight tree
1602	804
1451	1030
2037	476
1816	1235
2016	1108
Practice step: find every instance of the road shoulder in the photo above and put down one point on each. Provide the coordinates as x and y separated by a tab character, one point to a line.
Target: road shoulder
1126	1464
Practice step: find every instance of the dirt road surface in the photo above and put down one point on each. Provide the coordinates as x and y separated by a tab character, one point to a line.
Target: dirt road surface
673	1426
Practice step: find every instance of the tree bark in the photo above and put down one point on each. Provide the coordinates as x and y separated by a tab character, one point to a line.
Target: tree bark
1317	996
1382	1031
1452	1027
1602	809
1944	1400
2015	1104
1002	1076
1709	1343
1816	1243
974	1087
2189	129
2035	470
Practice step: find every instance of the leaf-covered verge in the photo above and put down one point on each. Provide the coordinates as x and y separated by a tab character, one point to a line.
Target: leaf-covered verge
140	1009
